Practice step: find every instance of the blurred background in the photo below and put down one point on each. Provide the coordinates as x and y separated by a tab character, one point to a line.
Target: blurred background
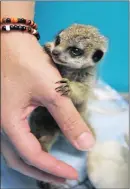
112	20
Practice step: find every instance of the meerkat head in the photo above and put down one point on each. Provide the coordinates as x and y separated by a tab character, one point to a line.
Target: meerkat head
78	46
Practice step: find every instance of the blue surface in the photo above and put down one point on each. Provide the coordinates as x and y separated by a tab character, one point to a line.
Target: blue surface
112	20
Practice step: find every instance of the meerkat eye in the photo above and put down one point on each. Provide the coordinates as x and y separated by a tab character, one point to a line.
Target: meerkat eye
97	56
74	51
57	41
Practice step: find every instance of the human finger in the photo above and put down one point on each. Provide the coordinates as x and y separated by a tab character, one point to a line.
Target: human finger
71	123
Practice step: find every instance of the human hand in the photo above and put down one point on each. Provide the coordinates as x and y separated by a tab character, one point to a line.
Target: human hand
28	81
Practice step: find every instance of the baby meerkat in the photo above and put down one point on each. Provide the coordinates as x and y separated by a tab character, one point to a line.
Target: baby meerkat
75	52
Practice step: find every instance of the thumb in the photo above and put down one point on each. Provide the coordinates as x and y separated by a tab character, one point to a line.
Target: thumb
71	123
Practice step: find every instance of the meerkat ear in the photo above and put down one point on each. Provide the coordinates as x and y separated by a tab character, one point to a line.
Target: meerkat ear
105	38
107	41
75	24
60	32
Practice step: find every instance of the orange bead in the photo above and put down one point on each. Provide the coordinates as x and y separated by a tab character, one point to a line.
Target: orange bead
14	20
31	23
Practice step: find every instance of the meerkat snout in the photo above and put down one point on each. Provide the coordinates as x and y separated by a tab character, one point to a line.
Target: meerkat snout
56	52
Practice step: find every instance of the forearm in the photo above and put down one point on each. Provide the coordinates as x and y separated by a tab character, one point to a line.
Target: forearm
23	9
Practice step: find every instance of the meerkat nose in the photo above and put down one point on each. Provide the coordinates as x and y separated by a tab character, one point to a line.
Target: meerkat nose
56	52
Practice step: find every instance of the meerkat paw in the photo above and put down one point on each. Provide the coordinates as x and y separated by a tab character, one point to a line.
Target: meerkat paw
64	88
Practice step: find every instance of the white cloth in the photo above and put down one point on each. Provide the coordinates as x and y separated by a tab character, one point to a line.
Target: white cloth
109	117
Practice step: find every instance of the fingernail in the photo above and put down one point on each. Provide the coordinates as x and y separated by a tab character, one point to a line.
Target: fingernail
85	141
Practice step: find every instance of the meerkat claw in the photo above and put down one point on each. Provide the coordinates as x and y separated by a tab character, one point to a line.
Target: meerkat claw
65	93
64	88
64	80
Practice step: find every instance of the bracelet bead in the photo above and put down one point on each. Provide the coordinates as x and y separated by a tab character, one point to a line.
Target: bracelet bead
28	22
7	28
8	20
16	27
14	20
29	29
22	20
23	28
4	20
11	27
4	28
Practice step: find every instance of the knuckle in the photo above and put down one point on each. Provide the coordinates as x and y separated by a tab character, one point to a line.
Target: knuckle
70	123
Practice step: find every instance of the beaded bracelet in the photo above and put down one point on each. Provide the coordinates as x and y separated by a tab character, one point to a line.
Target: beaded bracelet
23	28
18	20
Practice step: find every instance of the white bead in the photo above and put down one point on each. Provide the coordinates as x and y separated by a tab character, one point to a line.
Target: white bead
7	28
34	31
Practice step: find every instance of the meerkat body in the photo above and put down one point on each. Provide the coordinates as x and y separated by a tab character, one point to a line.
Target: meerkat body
75	51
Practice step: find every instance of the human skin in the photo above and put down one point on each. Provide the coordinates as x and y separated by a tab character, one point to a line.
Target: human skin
28	80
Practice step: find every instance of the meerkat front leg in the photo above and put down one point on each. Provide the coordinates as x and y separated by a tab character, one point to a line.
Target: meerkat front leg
78	93
75	90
